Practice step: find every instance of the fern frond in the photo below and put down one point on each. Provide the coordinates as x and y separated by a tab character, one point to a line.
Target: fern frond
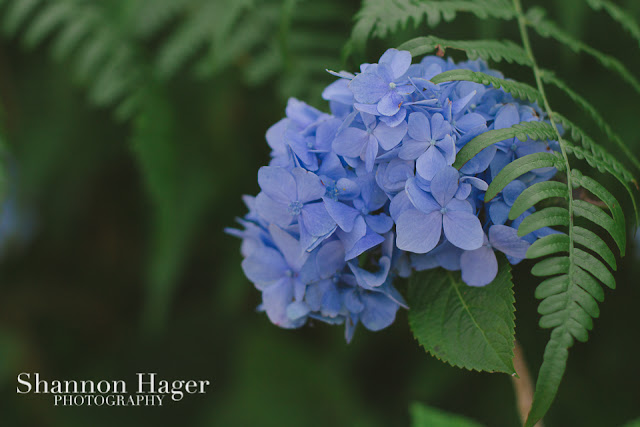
517	89
378	18
597	157
537	131
103	59
548	29
496	50
619	15
550	78
519	167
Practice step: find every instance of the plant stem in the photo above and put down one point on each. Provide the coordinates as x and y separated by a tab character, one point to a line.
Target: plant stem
522	25
523	386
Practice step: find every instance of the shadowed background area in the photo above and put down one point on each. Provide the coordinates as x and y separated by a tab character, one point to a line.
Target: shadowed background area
130	132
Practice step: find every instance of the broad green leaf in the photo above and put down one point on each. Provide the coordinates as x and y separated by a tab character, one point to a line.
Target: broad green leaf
519	167
524	130
468	327
427	416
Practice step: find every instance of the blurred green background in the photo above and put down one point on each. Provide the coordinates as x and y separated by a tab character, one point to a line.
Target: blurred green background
131	129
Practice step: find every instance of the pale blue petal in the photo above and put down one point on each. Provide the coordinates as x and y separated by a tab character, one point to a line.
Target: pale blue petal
507	116
418	232
379	311
389	137
272	211
317	220
288	246
411	148
309	186
398	60
448	148
444	185
275	299
430	163
369	241
380	223
368	88
371	153
330	259
512	190
506	240
421	200
297	310
277	183
367	279
264	266
419	127
463	230
479	267
390	104
439	126
499	212
350	142
345	216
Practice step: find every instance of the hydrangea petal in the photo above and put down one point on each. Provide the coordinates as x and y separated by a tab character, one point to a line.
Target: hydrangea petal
506	240
264	266
479	267
463	230
368	88
277	183
430	163
379	311
389	137
444	185
418	232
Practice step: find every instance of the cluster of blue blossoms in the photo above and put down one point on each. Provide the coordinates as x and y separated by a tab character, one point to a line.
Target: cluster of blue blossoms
355	198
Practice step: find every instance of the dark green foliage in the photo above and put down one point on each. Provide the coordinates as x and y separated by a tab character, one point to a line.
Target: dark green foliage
472	328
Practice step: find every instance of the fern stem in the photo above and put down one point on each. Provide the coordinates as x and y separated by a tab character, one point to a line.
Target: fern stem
522	25
523	384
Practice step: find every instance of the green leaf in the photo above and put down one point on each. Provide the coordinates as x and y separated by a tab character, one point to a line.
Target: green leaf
495	50
536	193
427	416
468	327
517	89
519	167
533	130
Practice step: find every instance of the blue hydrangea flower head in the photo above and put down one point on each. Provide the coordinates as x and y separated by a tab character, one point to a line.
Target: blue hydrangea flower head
355	200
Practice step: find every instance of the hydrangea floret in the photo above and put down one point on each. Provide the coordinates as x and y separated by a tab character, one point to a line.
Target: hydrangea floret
357	198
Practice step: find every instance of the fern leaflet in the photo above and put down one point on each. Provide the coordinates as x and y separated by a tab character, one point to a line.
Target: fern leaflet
378	18
497	50
517	89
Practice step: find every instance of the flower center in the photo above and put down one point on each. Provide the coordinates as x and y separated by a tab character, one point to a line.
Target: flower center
443	211
432	142
514	147
333	192
289	273
295	208
392	85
